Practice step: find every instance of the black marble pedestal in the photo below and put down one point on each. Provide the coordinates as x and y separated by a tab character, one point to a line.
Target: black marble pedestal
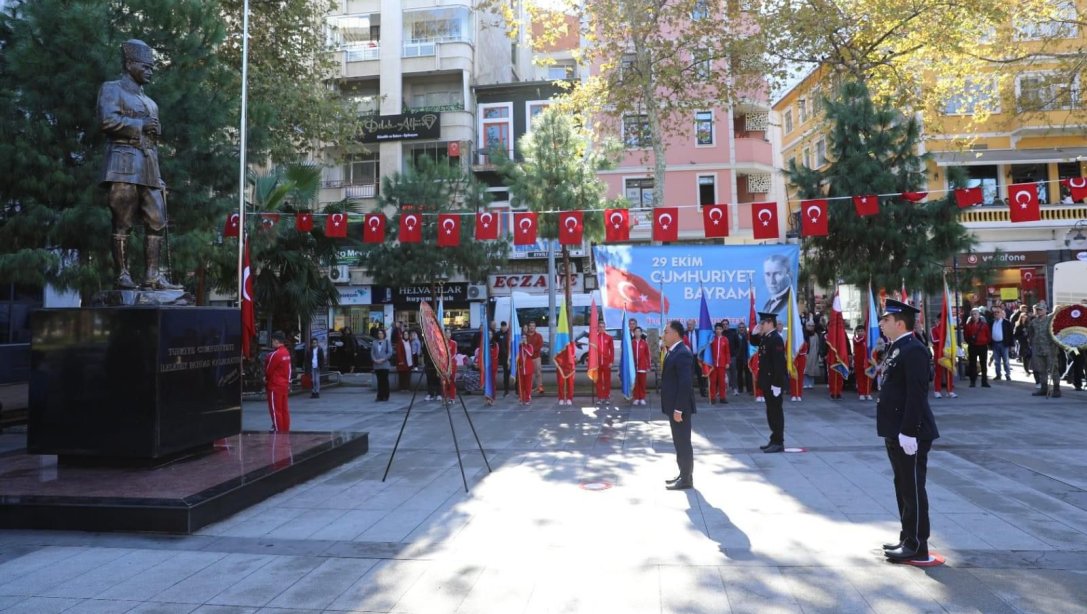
133	382
177	496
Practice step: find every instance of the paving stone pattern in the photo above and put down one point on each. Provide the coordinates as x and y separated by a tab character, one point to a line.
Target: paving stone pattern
574	517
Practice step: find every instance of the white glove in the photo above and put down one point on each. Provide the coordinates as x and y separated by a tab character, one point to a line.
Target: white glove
775	390
909	444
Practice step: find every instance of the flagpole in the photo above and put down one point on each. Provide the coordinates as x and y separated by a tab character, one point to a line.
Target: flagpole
242	146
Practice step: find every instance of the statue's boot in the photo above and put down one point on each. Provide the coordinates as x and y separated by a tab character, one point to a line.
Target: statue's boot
155	279
120	263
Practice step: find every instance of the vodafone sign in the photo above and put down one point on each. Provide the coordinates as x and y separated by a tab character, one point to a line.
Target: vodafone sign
534	283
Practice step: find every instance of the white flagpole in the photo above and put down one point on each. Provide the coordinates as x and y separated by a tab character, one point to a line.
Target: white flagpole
242	145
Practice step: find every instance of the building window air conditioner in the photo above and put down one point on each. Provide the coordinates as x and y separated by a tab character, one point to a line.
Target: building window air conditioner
339	274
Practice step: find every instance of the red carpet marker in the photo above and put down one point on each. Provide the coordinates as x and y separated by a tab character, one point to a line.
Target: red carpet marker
595	485
796	450
935	559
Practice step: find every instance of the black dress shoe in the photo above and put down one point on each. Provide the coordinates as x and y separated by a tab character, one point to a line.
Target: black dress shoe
724	401
774	448
908	552
1039	393
985	385
1055	395
680	485
888	547
674	480
763	447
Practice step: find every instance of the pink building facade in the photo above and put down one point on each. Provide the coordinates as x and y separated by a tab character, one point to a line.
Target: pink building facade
724	156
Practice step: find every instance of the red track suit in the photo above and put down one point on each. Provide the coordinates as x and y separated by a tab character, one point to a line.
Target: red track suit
451	385
942	375
860	364
722	357
525	368
753	366
606	343
641	367
564	373
277	378
796	384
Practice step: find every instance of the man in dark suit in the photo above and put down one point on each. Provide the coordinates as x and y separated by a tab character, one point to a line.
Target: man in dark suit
772	378
677	402
904	420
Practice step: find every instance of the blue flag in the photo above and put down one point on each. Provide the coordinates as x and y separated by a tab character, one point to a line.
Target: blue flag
485	348
705	335
626	360
514	338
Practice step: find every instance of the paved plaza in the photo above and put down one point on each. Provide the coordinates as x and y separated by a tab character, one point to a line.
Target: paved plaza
575	518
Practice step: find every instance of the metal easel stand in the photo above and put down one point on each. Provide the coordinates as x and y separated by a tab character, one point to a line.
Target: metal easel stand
446	402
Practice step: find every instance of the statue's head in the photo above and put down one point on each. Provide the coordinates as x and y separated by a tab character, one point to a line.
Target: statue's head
138	60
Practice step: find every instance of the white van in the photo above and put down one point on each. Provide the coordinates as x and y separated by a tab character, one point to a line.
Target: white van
533	308
1069	283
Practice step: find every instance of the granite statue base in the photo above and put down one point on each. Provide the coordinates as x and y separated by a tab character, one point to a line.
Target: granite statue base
133	382
179	496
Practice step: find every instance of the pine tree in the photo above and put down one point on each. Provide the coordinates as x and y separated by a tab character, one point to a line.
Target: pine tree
430	188
872	149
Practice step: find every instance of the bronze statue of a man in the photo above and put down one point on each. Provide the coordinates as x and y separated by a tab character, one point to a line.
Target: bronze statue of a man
130	120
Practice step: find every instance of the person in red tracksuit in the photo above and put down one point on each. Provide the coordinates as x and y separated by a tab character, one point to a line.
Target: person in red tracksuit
796	384
606	344
641	365
494	370
564	374
526	366
722	357
277	382
860	364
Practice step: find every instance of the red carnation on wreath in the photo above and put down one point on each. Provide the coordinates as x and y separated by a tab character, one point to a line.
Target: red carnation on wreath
1068	327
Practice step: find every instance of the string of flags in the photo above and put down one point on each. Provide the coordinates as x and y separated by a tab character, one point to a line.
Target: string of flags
1023	206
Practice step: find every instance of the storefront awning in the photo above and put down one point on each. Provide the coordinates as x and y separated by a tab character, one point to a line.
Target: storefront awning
1009	156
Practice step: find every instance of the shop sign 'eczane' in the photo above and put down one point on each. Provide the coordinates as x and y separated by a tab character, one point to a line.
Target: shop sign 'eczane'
532	283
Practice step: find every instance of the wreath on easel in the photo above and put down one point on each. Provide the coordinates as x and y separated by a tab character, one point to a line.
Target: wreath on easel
1068	327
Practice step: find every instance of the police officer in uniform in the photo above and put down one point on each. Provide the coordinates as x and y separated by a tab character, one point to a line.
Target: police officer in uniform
772	378
130	120
904	420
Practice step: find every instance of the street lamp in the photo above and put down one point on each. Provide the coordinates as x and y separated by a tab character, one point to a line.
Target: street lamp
1075	239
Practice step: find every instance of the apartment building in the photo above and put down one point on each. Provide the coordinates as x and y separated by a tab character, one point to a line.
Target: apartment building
1033	132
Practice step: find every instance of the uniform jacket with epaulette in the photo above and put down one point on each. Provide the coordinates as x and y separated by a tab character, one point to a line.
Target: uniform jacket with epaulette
131	155
903	391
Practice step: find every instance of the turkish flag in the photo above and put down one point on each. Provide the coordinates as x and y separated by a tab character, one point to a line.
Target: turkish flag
813	218
571	227
715	221
1027	278
968	197
1023	202
373	228
666	224
764	221
303	221
866	204
625	290
1077	186
486	226
616	225
524	228
914	197
448	230
268	221
233	225
411	228
249	318
336	225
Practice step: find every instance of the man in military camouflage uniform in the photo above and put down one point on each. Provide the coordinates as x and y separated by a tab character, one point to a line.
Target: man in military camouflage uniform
130	120
1044	360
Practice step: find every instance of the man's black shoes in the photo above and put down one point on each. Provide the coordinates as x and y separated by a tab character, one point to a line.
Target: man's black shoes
674	480
908	552
774	448
889	547
681	485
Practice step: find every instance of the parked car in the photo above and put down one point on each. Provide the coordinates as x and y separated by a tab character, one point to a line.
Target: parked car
338	359
581	345
467	340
